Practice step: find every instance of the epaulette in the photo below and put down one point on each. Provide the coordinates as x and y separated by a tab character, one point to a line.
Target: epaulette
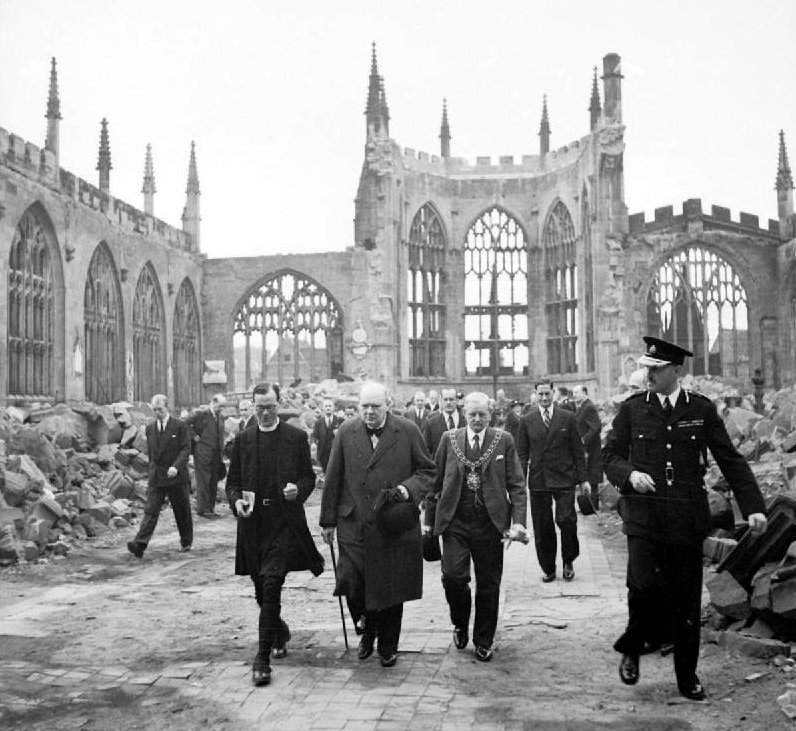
696	394
637	394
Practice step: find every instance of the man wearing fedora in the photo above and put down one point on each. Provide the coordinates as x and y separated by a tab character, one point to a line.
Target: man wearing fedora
377	474
480	493
656	455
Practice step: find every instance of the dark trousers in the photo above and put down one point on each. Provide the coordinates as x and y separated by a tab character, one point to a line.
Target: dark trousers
274	559
180	504
462	541
206	488
544	527
664	575
383	624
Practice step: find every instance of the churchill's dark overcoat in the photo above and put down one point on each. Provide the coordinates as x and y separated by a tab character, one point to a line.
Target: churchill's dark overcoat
245	473
392	566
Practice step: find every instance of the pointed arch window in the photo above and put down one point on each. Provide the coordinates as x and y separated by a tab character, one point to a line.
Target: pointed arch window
496	296
185	351
561	274
425	307
287	328
697	300
104	330
31	301
148	337
588	278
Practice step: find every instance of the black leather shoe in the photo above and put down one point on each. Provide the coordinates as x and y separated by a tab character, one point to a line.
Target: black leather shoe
484	654
261	671
694	690
185	548
387	661
629	669
136	549
460	638
667	648
547	578
281	640
359	626
366	645
568	573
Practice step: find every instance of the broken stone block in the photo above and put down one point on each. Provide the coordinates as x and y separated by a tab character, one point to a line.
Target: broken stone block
140	442
761	587
79	531
752	646
31	551
101	511
29	441
64	426
106	453
728	596
8	546
121	508
739	422
117	521
91	525
140	463
10	516
783	598
717	549
16	489
128	436
748	449
37	530
787	703
124	457
140	489
84	498
25	465
759	629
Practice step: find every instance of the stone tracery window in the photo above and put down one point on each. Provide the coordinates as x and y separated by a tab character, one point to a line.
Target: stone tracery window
496	295
104	330
148	337
185	347
287	328
561	308
697	300
30	312
425	308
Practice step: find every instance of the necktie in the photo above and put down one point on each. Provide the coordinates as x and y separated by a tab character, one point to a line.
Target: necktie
546	418
667	406
328	423
476	444
160	426
451	425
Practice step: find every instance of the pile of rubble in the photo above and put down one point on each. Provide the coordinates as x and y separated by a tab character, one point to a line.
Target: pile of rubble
68	473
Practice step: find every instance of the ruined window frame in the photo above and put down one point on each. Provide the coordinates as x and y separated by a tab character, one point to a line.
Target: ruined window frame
186	347
149	326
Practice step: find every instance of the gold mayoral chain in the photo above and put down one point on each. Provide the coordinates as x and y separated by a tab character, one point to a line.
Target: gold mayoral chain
473	478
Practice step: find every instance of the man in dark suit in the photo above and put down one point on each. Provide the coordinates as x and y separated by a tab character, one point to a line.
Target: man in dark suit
271	462
480	494
513	419
549	447
589	428
417	412
378	456
441	421
168	444
324	430
208	428
656	455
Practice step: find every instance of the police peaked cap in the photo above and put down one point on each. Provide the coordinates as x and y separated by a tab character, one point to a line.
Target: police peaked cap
662	353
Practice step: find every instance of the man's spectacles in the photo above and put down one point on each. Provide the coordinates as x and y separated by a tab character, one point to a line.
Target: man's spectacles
266	407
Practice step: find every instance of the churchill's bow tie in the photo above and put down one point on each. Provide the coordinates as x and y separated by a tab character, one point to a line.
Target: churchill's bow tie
377	431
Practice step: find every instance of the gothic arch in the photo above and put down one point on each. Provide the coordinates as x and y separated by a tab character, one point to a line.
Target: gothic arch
561	301
285	328
697	298
35	332
104	329
496	295
186	347
426	311
149	336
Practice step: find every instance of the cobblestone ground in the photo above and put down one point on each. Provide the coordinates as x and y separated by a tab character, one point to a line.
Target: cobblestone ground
102	640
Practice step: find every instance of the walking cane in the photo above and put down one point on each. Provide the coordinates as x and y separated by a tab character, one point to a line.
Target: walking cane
339	598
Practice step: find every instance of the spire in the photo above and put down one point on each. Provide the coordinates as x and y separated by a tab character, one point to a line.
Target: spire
53	116
149	188
784	177
445	132
193	176
377	113
612	87
104	162
595	108
544	129
53	101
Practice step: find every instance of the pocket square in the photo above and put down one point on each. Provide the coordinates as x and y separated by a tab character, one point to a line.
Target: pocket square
499	457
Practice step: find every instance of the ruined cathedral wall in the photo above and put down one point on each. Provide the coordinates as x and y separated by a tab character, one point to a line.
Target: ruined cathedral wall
228	283
76	218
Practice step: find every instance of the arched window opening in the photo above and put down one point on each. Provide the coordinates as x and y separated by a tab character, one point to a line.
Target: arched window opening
425	308
588	278
104	330
561	308
287	328
496	296
185	352
31	301
698	301
148	340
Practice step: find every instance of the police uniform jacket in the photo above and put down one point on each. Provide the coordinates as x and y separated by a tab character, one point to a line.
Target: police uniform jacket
672	450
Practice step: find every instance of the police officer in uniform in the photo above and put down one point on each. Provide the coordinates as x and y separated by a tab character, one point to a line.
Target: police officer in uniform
656	454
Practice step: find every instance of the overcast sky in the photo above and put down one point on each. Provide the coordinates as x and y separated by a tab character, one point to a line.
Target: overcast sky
274	94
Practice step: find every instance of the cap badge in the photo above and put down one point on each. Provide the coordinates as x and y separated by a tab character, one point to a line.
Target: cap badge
652	349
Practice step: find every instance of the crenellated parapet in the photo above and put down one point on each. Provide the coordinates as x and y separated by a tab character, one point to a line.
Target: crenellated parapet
693	217
39	165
